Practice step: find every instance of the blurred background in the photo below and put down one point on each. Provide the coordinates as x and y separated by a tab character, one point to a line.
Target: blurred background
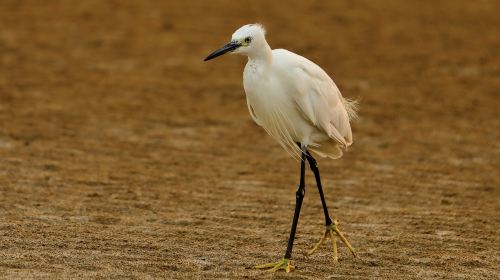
123	154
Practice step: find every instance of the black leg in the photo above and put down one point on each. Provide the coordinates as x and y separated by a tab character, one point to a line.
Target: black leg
299	196
315	170
332	230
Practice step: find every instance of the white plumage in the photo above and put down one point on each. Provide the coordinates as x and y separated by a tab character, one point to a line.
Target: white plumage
293	99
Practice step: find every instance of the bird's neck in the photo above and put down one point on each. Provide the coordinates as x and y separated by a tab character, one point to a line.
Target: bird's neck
262	55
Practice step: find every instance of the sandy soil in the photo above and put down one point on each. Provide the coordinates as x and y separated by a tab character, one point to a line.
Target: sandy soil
123	155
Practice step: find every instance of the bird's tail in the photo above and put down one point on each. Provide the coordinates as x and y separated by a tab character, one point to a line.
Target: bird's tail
351	107
330	149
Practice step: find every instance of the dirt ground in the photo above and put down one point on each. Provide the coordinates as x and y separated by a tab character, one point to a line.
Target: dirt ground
124	155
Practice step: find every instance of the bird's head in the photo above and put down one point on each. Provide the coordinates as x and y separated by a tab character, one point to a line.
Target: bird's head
247	40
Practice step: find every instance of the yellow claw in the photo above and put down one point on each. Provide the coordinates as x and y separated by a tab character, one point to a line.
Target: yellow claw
332	231
285	264
334	246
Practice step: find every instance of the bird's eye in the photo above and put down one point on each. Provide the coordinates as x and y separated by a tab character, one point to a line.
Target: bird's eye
248	40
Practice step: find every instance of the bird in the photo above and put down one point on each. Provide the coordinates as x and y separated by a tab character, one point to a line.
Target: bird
297	103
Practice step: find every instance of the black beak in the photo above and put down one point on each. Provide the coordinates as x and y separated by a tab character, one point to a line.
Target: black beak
227	48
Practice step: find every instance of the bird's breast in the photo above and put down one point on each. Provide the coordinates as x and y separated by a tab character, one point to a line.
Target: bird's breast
274	109
264	92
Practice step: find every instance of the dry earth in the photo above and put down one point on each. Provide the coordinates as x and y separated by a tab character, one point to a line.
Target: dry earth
123	155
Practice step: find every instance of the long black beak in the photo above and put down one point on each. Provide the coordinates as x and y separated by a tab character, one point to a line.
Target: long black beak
227	48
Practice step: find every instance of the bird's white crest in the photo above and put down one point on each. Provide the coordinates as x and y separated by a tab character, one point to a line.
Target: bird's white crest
249	30
292	98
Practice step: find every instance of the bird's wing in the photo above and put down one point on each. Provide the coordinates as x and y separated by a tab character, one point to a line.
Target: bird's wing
317	97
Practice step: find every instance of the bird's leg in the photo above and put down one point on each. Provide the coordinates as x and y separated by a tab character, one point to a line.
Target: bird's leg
285	263
332	231
299	196
314	167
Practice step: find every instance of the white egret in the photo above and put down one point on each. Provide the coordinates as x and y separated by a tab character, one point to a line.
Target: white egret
300	106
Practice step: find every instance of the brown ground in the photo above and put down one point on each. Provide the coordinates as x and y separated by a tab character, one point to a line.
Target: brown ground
123	155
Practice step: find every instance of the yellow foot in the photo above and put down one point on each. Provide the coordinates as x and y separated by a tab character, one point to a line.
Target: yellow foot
285	264
333	232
